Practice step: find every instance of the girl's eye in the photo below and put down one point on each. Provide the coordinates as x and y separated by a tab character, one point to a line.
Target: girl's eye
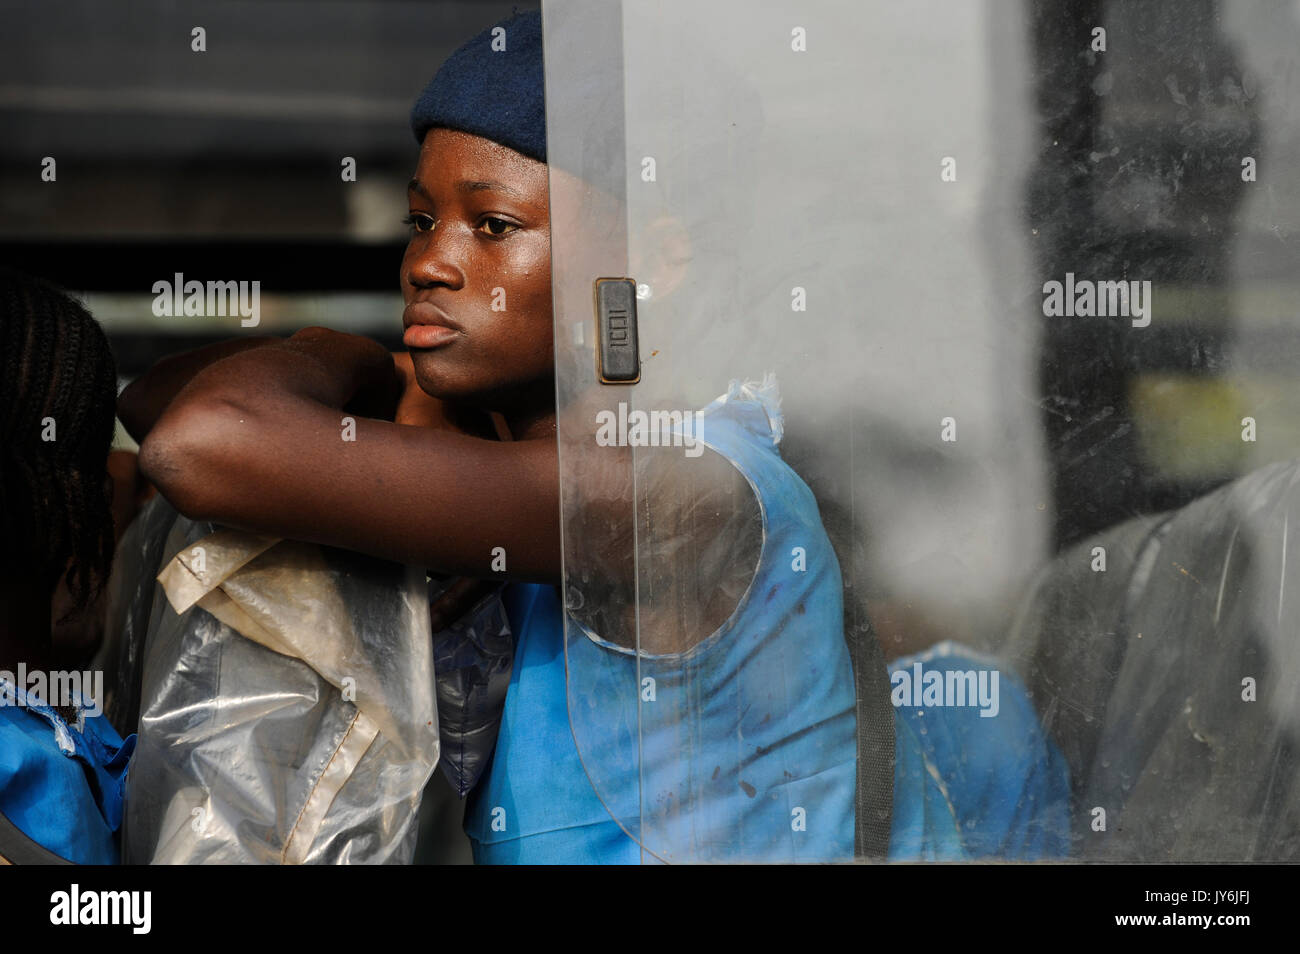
490	222
419	221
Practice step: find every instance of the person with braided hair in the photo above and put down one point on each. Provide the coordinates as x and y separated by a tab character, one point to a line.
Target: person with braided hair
62	765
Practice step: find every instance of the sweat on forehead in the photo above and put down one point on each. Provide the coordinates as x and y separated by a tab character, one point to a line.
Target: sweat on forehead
492	87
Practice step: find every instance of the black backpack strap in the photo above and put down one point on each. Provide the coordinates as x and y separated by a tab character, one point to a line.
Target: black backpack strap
17	847
874	802
874	798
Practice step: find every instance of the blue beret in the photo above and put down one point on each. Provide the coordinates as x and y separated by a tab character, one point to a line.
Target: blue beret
493	93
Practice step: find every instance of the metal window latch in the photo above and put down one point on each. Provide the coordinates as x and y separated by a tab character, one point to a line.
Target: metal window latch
618	359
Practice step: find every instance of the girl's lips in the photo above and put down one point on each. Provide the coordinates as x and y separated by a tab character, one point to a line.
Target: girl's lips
428	336
427	313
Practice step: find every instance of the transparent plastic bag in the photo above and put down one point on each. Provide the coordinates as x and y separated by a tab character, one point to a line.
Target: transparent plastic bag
1162	656
288	709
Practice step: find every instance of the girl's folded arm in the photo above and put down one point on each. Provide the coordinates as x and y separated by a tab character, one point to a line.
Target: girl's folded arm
278	440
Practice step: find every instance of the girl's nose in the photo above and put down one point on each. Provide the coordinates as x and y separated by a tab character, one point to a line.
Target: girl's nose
435	262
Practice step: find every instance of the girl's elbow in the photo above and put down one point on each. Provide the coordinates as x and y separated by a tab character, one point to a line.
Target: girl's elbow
180	457
172	470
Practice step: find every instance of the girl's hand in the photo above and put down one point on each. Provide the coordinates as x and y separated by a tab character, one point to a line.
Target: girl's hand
418	409
414	407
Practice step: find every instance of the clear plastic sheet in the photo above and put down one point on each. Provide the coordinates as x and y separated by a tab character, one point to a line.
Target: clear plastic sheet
876	203
711	692
1162	655
133	596
288	709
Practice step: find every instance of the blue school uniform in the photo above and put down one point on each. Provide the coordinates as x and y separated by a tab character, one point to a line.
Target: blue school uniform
969	785
62	784
748	751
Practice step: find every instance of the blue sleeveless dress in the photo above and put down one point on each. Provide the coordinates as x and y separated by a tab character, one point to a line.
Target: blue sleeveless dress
744	747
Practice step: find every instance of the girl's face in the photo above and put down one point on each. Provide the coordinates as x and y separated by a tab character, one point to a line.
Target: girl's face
476	276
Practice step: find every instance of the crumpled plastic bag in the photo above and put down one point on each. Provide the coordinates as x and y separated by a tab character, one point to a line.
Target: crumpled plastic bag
1170	678
288	708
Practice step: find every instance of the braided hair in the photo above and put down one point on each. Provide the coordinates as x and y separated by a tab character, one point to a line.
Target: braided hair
58	391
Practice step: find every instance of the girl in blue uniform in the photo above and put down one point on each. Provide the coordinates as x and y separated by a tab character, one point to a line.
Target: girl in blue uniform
748	752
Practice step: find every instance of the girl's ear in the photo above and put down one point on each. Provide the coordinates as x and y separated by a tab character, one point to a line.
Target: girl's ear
665	256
